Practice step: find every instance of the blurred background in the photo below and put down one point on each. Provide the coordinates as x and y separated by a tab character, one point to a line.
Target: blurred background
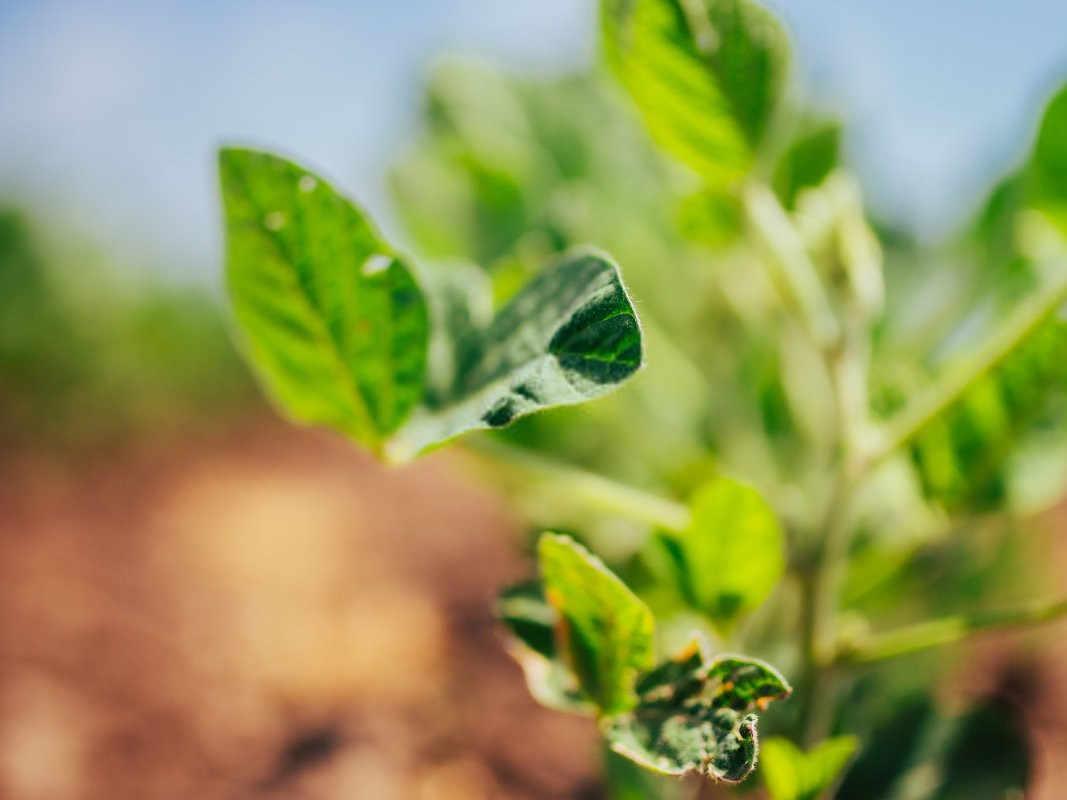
198	600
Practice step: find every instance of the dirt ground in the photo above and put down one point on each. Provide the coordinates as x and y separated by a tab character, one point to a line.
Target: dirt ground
266	613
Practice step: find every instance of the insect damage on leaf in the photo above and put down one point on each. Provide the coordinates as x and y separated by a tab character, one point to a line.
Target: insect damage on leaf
696	715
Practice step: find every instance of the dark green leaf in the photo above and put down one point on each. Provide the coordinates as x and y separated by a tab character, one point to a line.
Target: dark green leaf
698	716
605	632
791	774
733	552
706	76
570	335
331	317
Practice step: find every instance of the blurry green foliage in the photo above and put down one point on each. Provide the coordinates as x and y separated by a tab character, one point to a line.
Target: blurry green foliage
87	355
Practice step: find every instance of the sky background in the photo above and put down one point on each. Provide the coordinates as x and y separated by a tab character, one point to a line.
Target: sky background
110	112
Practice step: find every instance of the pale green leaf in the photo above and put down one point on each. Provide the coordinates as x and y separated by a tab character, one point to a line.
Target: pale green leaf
706	76
570	335
791	774
733	552
696	715
604	632
332	319
812	154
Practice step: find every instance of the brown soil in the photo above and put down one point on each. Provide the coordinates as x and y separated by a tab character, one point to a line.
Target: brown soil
265	614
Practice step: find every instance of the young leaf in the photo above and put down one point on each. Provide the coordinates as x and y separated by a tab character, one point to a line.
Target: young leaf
810	157
706	76
533	624
570	335
604	632
698	716
332	319
1047	170
791	774
732	554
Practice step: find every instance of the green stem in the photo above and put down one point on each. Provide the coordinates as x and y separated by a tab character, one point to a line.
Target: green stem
950	630
792	267
1026	318
594	491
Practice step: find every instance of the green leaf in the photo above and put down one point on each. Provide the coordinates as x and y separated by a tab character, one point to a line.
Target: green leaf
698	716
811	156
706	76
712	217
962	456
332	319
1047	171
791	774
570	335
604	632
732	554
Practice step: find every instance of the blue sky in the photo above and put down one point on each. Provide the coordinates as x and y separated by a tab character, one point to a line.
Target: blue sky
110	111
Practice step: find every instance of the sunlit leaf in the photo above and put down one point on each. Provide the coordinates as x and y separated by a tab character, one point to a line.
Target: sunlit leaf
698	716
733	552
1046	173
792	774
332	319
604	633
570	335
705	75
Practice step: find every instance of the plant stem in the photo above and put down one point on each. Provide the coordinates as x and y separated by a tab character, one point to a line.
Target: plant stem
598	493
793	268
1023	321
949	630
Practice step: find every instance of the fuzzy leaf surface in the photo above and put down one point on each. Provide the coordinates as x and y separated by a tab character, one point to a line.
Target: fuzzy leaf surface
570	335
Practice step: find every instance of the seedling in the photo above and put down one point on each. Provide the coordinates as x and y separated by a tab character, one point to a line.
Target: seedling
777	356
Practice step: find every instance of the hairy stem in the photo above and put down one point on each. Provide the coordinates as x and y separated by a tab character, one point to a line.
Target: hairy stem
594	491
792	268
949	630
